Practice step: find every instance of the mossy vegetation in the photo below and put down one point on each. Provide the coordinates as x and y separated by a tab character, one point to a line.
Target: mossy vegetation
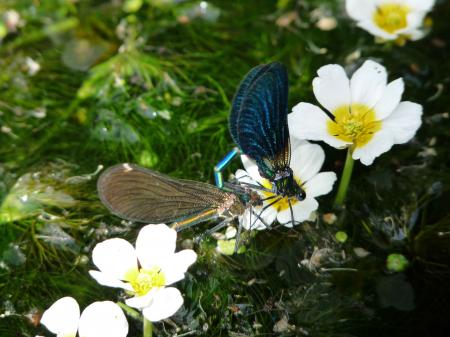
151	82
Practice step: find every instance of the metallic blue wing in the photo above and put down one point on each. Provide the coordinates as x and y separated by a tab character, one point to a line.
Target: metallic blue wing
258	119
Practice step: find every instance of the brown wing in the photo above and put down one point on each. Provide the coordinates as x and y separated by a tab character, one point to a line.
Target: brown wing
139	194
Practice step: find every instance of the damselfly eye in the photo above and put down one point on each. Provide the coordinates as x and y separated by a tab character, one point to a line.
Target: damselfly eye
301	195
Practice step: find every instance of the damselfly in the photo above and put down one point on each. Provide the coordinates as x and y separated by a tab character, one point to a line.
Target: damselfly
138	194
258	125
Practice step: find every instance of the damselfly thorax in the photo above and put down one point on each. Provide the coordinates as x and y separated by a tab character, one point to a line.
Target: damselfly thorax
285	185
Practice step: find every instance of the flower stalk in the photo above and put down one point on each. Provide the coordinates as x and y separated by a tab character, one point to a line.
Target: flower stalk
345	179
135	314
148	328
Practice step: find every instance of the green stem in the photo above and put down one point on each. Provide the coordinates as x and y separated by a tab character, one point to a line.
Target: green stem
130	311
148	328
345	179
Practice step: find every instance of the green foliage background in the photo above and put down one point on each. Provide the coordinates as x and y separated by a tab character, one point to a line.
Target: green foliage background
141	84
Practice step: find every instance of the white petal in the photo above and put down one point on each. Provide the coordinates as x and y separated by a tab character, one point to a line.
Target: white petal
248	220
321	184
421	5
416	34
143	301
244	177
308	121
166	302
302	211
404	122
268	215
306	161
381	142
62	317
230	232
414	24
390	99
155	244
415	20
251	219
103	319
108	281
332	87
296	142
251	168
373	29
360	9
368	83
115	257
175	267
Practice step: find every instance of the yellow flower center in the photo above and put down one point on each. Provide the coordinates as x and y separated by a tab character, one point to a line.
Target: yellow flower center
391	17
283	203
143	280
355	124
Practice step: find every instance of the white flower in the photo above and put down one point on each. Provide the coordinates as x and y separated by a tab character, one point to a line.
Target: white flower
12	20
32	66
366	112
98	319
306	161
390	19
145	271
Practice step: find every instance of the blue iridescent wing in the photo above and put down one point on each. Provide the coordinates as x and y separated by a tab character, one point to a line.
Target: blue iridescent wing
258	119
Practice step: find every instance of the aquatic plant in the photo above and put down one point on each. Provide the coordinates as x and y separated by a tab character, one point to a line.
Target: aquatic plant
391	20
145	271
365	115
89	83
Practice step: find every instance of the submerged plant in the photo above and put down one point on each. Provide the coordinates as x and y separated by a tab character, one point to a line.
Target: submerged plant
53	187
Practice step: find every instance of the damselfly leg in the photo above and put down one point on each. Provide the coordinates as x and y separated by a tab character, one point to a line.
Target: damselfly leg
216	228
222	164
